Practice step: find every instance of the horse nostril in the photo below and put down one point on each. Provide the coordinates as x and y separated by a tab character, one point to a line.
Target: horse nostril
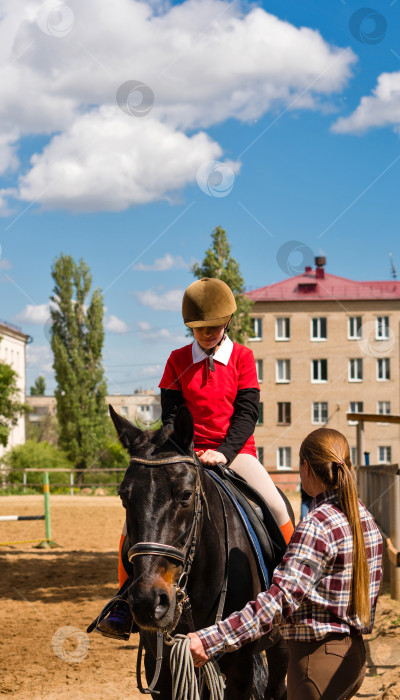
162	604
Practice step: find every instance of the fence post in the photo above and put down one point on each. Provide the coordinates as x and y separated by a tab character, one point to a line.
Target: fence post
24	478
394	533
71	482
48	542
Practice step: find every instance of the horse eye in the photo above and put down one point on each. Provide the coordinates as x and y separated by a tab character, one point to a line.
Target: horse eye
185	498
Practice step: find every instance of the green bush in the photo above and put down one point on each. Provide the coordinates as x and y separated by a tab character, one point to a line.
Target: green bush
37	455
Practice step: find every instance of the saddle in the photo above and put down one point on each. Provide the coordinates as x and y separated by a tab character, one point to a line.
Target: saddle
268	534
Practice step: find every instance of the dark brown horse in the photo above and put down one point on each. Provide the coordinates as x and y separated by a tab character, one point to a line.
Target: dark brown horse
176	521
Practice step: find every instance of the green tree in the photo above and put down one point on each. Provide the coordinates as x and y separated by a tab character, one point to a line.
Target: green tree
77	343
37	455
10	405
219	263
39	387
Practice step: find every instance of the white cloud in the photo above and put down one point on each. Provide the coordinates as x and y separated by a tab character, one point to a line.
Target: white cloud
161	301
152	371
382	108
40	357
36	314
144	326
8	157
107	162
147	332
168	262
5	264
115	324
205	61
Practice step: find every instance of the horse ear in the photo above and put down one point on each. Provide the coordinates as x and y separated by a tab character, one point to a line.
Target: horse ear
128	434
183	428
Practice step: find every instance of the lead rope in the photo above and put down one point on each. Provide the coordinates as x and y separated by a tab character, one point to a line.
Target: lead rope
184	680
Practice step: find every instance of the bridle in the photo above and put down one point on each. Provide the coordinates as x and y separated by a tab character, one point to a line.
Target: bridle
184	556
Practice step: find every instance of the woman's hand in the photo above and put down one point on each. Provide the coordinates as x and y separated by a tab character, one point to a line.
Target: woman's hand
197	650
210	457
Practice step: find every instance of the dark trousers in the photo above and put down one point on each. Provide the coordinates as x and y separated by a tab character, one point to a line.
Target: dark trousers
332	668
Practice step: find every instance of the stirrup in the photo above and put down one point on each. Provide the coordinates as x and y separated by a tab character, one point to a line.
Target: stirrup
107	608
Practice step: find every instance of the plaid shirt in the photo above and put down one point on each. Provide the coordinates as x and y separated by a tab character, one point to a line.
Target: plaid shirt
310	593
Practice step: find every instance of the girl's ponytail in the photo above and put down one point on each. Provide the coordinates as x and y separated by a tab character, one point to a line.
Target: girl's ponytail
328	455
348	501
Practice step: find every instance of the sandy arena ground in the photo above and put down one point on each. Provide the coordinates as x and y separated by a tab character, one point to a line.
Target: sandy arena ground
44	593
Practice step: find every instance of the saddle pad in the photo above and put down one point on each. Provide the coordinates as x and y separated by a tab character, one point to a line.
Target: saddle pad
253	539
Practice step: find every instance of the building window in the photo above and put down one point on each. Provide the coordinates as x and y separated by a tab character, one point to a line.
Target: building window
356	407
319	413
353	455
260	420
260	454
257	328
284	413
284	458
383	369
319	328
319	370
355	328
382	327
384	454
259	370
282	329
356	370
383	407
124	411
283	371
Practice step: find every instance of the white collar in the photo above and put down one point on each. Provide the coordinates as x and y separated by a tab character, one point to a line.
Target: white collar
222	355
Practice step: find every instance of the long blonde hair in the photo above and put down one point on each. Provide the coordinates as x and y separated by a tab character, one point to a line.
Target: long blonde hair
327	453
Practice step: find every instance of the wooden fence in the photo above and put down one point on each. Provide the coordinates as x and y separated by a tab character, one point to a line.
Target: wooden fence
379	489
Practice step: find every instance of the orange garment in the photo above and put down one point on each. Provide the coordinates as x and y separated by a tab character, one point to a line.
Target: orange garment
122	575
287	530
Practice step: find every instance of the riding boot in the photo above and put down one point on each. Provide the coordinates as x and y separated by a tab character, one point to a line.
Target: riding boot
118	623
116	619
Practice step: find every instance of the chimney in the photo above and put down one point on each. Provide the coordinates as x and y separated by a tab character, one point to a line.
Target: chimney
308	269
320	263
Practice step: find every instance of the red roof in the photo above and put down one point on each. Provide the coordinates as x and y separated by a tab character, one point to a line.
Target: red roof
310	286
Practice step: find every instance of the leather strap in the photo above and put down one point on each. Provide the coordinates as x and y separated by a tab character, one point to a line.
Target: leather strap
159	660
167	460
164	550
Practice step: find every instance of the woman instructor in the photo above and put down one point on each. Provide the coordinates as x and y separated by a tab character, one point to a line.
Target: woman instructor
324	592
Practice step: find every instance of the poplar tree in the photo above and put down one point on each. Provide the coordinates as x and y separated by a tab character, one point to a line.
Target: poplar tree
10	405
77	343
39	387
219	263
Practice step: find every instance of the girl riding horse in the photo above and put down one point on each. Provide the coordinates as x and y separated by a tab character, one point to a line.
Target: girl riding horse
217	380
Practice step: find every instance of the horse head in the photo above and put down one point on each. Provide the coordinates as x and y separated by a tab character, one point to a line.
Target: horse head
161	493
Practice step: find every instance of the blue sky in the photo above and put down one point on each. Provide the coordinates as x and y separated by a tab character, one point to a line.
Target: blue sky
278	121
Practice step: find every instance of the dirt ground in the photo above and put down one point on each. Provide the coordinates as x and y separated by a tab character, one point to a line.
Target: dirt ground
49	596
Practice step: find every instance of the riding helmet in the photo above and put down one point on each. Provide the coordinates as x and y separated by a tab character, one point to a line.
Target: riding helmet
207	302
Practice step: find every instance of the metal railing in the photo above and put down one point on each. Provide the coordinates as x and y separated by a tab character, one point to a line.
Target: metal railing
72	484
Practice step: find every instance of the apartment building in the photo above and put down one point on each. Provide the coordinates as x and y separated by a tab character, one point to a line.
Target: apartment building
12	352
325	345
141	407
